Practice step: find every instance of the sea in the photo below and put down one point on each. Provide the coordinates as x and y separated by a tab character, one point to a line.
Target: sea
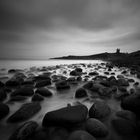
22	64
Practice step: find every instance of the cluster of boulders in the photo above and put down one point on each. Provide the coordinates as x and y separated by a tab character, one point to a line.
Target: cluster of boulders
74	122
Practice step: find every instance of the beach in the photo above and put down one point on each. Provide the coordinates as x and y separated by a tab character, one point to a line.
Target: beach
66	99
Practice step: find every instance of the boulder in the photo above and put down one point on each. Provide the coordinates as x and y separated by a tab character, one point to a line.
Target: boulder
123	82
132	103
25	131
4	110
99	110
25	112
78	70
23	91
44	92
66	116
96	128
124	126
43	83
17	98
37	98
88	85
2	84
80	135
12	83
75	73
126	114
62	85
80	93
3	94
42	77
94	73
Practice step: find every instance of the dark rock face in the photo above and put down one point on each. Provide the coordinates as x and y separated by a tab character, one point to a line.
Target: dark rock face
124	126
25	131
24	91
17	98
126	114
132	103
62	85
81	135
4	110
3	95
44	92
66	116
94	73
25	112
37	98
99	110
12	83
43	83
1	84
123	82
96	128
80	93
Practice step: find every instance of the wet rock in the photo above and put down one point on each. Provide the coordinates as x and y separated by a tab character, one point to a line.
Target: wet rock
75	73
96	128
123	82
40	135
25	112
105	83
78	70
126	114
99	110
12	83
42	77
4	110
136	83
27	83
80	93
132	103
94	73
73	115
81	135
3	95
121	95
44	92
124	126
62	85
132	91
106	72
17	98
79	78
138	75
12	71
25	131
2	84
88	85
43	83
120	76
36	98
131	80
124	72
105	92
23	91
95	87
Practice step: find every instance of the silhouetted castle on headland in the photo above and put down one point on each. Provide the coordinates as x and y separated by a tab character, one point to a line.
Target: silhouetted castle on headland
117	51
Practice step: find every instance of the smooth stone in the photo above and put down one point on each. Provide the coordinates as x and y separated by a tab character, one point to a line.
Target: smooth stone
17	98
27	82
36	97
23	91
80	93
120	76
131	80
126	114
4	110
40	135
44	92
78	70
99	110
25	112
105	83
12	83
43	83
94	73
96	128
105	92
80	135
132	103
12	71
2	84
62	85
123	82
88	85
3	95
124	126
66	116
42	77
75	73
25	131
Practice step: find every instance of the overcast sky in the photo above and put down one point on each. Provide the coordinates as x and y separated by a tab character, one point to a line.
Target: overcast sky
40	29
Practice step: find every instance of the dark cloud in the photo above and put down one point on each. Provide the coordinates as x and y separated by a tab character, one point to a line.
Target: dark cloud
23	21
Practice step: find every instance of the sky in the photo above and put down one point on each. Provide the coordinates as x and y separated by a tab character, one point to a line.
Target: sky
42	29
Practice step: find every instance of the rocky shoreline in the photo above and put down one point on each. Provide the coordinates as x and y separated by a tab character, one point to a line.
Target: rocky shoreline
70	102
